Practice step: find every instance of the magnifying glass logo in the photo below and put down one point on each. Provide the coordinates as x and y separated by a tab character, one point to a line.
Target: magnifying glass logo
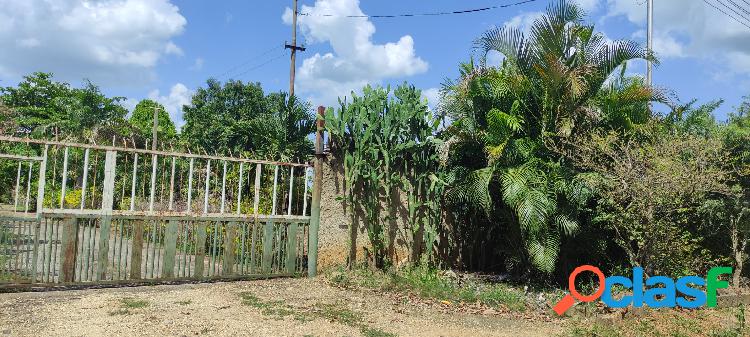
570	299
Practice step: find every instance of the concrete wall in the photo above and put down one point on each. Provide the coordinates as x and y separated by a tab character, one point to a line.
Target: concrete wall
335	218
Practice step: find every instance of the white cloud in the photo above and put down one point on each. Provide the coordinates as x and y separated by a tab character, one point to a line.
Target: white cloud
107	41
589	6
198	64
356	60
178	96
432	95
523	21
691	29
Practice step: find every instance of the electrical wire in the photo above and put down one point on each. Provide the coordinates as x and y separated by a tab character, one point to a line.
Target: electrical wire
739	7
406	15
747	20
727	14
248	61
258	65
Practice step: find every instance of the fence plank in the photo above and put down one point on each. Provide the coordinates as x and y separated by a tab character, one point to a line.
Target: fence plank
69	236
136	255
200	250
229	255
108	193
267	261
291	248
170	250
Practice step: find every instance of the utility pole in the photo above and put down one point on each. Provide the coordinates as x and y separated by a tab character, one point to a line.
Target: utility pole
294	49
156	126
650	41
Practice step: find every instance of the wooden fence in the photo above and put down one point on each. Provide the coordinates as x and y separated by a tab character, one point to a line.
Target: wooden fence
82	214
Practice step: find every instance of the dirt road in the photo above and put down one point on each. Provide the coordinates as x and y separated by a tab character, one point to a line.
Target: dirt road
282	307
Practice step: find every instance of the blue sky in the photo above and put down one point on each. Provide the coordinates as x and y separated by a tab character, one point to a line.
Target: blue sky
165	49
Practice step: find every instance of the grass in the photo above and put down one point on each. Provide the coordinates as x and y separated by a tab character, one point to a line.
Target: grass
127	304
668	323
276	308
431	284
188	302
375	332
331	312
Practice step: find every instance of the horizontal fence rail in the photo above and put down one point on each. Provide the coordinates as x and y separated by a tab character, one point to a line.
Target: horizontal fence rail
77	213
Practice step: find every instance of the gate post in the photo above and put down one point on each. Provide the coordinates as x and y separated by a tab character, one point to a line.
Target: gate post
108	193
39	210
69	238
229	246
170	249
312	254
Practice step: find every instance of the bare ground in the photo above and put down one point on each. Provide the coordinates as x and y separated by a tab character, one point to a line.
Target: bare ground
218	310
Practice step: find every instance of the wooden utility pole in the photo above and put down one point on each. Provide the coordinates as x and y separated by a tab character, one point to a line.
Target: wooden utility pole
294	49
312	240
650	40
156	126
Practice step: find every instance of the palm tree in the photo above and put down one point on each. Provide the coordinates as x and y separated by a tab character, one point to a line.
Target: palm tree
543	91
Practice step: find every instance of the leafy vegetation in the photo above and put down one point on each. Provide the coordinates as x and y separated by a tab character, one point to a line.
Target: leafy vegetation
433	285
551	159
388	148
335	313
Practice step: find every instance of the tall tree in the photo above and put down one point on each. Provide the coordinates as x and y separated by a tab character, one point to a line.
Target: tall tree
237	117
46	108
542	91
142	122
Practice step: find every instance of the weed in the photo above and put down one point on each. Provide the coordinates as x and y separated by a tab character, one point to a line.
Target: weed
184	302
375	332
335	313
431	284
132	303
126	304
331	312
276	308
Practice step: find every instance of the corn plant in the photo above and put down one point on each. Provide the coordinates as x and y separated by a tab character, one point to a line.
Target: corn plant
388	147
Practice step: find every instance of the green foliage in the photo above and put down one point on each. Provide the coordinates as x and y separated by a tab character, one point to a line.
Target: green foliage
433	284
388	147
142	121
541	93
237	117
42	107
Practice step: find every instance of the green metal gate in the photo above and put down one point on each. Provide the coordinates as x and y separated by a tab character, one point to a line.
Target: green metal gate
91	214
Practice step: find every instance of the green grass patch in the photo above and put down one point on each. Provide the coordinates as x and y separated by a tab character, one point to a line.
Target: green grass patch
728	322
271	308
432	284
338	314
331	312
375	332
127	304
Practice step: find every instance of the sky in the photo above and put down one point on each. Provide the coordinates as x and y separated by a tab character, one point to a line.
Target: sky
165	49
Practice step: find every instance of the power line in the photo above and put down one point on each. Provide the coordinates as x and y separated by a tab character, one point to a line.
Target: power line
248	61
739	7
727	14
259	65
733	10
406	15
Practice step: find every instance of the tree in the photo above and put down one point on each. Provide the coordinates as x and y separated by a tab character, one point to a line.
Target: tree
237	117
142	122
284	129
649	190
46	108
543	91
219	117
